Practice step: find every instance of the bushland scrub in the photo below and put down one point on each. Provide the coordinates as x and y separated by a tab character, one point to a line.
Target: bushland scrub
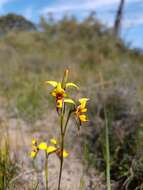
88	49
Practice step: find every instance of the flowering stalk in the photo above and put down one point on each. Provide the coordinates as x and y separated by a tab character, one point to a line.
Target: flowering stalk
107	144
46	169
62	98
62	148
63	132
107	151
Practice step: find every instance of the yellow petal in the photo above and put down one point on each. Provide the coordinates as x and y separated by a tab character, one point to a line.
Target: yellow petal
42	146
59	104
34	141
51	82
65	153
53	141
83	118
34	147
51	149
33	154
53	93
66	74
83	102
59	87
84	110
70	84
69	101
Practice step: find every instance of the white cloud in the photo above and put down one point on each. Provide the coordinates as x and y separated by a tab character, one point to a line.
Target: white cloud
129	21
81	5
28	13
133	22
102	7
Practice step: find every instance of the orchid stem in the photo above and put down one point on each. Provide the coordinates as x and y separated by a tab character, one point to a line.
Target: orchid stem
107	151
61	149
46	170
61	162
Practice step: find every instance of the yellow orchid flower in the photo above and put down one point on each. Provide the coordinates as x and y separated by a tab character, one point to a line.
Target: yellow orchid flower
59	90
82	109
49	149
35	149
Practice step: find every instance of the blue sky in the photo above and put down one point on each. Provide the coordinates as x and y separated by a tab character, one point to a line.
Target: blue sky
105	9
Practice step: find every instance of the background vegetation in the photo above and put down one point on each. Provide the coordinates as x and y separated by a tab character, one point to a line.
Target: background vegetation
89	49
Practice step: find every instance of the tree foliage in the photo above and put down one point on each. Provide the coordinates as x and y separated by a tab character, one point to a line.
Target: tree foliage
12	21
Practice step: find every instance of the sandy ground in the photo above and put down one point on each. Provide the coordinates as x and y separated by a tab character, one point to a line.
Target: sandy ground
76	176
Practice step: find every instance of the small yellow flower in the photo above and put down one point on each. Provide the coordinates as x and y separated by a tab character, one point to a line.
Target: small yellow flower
35	149
81	109
42	146
59	91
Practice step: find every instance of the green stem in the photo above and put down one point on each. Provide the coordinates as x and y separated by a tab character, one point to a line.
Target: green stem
107	151
63	131
61	161
46	170
61	150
